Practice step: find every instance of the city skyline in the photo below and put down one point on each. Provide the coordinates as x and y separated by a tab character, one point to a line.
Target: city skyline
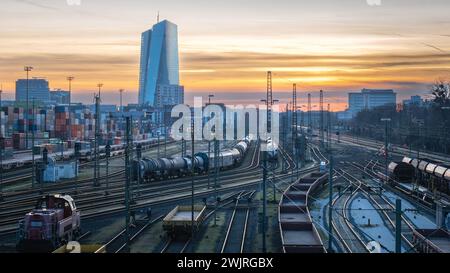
339	48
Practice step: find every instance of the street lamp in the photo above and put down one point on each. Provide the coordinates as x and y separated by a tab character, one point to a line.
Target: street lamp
27	69
209	98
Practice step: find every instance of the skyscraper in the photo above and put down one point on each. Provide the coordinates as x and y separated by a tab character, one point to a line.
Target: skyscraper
159	69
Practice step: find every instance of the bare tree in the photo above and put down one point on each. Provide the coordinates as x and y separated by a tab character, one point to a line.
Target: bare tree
441	92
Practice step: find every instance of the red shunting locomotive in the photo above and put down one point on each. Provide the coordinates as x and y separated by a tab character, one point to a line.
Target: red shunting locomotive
54	221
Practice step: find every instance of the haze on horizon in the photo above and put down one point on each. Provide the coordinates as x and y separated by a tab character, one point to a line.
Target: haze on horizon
226	47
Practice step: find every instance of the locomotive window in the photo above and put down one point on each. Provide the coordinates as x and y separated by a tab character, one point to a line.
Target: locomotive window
67	210
36	224
42	204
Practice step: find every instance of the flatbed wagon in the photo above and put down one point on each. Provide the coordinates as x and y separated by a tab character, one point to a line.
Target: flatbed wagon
179	220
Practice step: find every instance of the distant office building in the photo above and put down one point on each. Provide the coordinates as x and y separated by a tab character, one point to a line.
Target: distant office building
104	108
370	98
159	68
167	94
60	97
414	100
37	89
344	115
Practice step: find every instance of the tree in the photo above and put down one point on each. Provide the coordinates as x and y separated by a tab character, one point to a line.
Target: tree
441	92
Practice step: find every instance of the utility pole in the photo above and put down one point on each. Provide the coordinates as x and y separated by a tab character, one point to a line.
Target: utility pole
294	121
2	144
96	141
285	133
309	113
330	205
127	181
209	167
33	171
70	79
108	154
183	147
158	133
398	226
77	149
216	176
209	147
121	109
263	220
302	120
165	140
99	85
192	179
328	127
269	101
386	150
27	69
139	156
321	119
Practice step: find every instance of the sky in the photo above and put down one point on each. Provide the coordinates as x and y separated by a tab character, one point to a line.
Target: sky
226	47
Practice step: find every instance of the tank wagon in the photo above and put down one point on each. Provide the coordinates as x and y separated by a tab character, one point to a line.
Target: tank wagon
401	171
149	169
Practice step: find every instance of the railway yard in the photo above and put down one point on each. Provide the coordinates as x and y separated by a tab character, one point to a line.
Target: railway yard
364	211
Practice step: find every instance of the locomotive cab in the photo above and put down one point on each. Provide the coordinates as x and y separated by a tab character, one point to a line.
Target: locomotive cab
54	221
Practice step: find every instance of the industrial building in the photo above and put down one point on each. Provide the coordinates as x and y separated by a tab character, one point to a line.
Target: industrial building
369	99
59	96
37	89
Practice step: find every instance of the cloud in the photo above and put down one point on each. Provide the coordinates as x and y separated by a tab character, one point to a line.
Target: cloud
435	47
38	4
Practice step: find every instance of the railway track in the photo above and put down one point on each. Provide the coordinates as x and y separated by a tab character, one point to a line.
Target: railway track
397	150
69	185
387	209
234	240
119	242
115	200
177	245
91	194
349	239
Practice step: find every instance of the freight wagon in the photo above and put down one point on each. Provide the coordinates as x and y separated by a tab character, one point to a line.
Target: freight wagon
179	220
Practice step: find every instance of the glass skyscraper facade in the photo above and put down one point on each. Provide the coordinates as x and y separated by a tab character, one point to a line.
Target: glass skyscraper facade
159	65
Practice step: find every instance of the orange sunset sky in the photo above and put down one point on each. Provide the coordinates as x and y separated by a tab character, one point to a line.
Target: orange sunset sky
226	47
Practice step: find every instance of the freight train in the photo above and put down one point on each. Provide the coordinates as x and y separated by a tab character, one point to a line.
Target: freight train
87	152
54	221
148	169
